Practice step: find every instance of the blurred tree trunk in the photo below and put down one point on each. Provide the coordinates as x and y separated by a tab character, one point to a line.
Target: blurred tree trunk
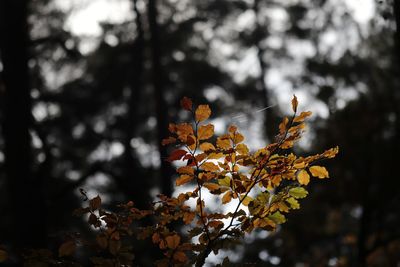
161	104
26	204
131	181
270	118
396	11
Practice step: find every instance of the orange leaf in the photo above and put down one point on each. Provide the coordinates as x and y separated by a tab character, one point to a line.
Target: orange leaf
227	197
295	103
185	170
188	217
302	116
186	103
223	143
242	149
318	171
209	166
173	241
67	249
207	146
303	177
202	113
211	186
176	155
183	179
206	132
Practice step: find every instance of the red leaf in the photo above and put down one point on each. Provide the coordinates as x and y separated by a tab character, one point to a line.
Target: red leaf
186	103
176	155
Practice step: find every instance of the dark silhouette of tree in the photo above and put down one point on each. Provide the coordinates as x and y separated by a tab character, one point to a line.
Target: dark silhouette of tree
26	207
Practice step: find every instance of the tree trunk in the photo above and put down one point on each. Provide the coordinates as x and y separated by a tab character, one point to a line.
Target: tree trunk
161	105
26	204
270	119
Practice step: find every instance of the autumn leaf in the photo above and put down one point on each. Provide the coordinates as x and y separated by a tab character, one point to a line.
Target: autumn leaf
227	197
188	217
186	103
176	155
205	132
223	143
295	103
238	138
202	113
180	256
303	177
185	170
318	171
183	179
207	147
3	255
168	141
242	149
67	249
302	116
211	186
95	203
210	167
173	241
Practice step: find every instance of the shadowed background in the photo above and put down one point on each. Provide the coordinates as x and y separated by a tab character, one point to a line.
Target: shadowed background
87	89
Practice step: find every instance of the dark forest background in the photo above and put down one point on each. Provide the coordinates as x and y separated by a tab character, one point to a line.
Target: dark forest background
77	117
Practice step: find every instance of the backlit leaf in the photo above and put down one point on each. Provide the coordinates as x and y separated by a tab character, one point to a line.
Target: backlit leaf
185	170
176	155
295	103
207	146
303	177
318	171
183	179
205	132
227	197
223	143
209	166
298	192
95	203
202	113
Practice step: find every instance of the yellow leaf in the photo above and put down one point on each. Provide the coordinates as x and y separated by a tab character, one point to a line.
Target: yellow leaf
206	132
202	113
246	200
282	125
299	164
207	146
183	179
3	255
227	197
223	143
173	241
185	170
318	171
295	103
303	177
242	149
209	166
67	249
215	155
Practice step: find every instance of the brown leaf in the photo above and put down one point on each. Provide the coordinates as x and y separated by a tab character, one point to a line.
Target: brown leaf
176	155
295	103
95	203
186	103
173	241
67	249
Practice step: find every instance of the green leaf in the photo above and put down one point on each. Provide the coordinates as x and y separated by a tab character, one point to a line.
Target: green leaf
294	204
298	192
277	217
